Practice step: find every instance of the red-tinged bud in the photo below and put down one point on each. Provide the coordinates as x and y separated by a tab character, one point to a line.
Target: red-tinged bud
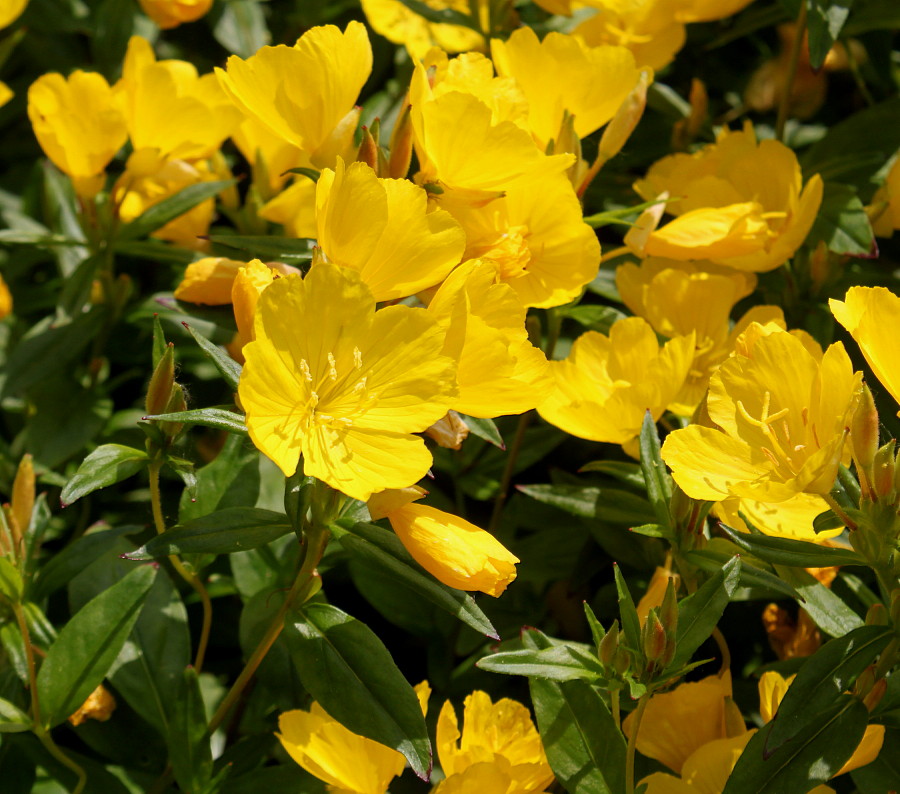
875	695
176	404
877	615
883	472
820	265
668	610
653	637
401	145
622	662
608	646
160	389
865	682
368	150
864	438
689	127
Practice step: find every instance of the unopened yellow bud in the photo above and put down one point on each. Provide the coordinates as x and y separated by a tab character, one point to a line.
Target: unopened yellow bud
688	128
883	471
23	493
864	436
160	389
401	145
175	404
619	130
653	637
368	150
820	265
622	662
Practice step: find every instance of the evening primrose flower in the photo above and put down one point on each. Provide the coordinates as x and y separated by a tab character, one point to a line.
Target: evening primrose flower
499	371
560	75
782	416
208	281
346	387
269	155
678	298
6	300
294	208
497	734
78	125
452	550
870	314
170	14
536	238
401	25
385	229
884	211
738	202
170	108
792	518
607	384
306	93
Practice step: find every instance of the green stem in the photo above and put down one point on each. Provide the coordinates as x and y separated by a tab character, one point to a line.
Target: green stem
784	105
29	661
723	649
839	511
191	578
616	711
632	743
59	755
509	469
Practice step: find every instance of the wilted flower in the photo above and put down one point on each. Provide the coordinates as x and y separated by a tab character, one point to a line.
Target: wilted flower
401	25
346	387
306	93
499	735
78	125
385	229
782	415
737	202
170	14
100	705
607	384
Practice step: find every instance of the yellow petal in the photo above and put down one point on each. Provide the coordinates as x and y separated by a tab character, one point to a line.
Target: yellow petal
170	14
209	281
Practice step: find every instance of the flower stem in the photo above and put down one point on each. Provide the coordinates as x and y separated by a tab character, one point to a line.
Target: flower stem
632	743
191	578
784	104
29	661
508	470
723	649
59	755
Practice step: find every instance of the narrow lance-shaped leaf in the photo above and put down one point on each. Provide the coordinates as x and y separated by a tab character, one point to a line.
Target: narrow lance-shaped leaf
631	624
659	486
172	207
564	662
218	418
189	750
796	553
105	466
88	645
227	366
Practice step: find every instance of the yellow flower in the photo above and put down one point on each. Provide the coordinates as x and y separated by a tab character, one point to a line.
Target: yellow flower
383	228
656	591
249	283
6	300
6	93
706	770
536	238
10	10
294	208
78	125
347	386
792	518
885	208
606	385
790	638
170	14
708	10
500	734
269	155
480	159
401	25
148	179
772	689
209	281
306	93
783	414
870	315
738	203
562	74
347	762
170	108
678	723
100	705
499	371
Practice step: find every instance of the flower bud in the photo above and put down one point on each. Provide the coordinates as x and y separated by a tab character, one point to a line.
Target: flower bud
864	436
668	610
23	494
401	145
176	404
160	389
865	682
622	662
653	637
368	150
689	127
608	646
619	130
875	695
883	471
877	615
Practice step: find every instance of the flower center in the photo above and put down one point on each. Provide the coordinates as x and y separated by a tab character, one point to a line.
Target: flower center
509	252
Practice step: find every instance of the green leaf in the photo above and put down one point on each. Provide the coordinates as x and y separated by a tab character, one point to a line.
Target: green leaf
347	669
484	429
631	624
824	22
594	501
48	349
584	747
113	24
231	479
442	16
189	750
88	645
172	207
751	576
810	760
659	485
825	607
105	466
842	223
219	418
597	630
12	718
822	681
794	553
160	343
223	532
699	613
564	662
382	549
227	366
241	28
290	250
594	317
11	585
629	473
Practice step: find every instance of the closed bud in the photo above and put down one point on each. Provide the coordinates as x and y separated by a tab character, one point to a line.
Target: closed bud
608	646
876	693
883	474
820	264
668	610
23	494
681	506
619	130
865	682
864	436
622	662
176	404
653	637
368	150
877	615
160	389
401	145
689	127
